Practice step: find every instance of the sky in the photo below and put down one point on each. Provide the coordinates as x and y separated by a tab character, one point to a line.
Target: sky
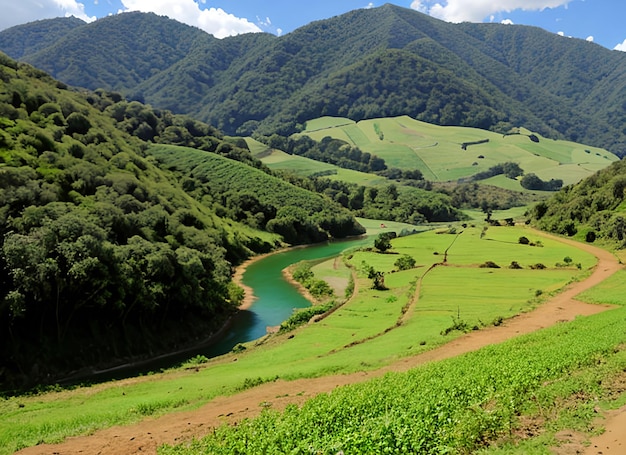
600	21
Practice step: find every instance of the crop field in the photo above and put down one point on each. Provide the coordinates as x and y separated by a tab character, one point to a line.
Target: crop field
451	406
436	150
362	334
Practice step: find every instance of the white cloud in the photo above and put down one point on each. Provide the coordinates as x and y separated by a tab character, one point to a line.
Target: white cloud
21	12
590	39
560	33
215	21
478	10
621	46
507	22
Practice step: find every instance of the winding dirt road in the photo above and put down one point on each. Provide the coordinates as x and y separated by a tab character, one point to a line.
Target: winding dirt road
147	435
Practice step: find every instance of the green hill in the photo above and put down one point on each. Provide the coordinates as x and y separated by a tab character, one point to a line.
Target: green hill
593	209
104	257
369	63
458	153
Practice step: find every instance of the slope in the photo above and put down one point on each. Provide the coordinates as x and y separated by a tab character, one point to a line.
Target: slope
104	257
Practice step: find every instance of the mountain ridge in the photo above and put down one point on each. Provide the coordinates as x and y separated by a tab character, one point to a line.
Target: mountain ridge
514	75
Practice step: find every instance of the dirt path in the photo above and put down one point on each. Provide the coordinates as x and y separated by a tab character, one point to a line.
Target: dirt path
147	435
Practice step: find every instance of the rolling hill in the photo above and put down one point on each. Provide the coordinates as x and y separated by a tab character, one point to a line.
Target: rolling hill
370	63
458	153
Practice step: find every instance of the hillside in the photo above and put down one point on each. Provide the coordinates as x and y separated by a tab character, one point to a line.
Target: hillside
593	209
104	256
461	153
369	63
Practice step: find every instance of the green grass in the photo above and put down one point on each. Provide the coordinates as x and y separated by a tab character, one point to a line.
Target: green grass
478	296
437	152
452	406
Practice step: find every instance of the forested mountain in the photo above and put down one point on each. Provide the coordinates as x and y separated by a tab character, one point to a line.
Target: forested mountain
377	62
105	254
116	52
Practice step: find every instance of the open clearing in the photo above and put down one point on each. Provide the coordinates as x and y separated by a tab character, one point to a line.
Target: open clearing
175	427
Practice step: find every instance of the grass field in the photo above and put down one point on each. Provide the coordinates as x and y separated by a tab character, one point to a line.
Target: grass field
355	337
436	150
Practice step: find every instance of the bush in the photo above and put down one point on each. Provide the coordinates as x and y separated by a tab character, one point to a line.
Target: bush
405	262
489	265
523	240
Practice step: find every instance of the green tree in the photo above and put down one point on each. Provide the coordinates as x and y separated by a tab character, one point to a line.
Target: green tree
405	262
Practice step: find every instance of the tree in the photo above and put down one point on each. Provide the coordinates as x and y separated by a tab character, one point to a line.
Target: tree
405	262
383	241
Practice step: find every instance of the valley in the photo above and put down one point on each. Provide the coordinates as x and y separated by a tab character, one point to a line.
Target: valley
387	233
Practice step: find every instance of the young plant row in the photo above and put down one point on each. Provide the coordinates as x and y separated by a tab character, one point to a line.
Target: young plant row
453	406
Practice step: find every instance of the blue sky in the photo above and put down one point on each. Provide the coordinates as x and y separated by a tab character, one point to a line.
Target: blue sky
601	21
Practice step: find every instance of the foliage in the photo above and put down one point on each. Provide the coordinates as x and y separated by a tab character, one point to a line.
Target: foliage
328	150
532	182
383	241
595	207
509	169
256	198
405	262
304	315
303	274
389	202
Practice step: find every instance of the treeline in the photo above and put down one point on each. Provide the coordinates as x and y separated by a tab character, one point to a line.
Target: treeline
528	181
533	182
389	202
337	152
484	197
328	150
509	169
592	208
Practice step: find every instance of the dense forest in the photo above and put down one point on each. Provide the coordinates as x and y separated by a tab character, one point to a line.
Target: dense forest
368	63
103	255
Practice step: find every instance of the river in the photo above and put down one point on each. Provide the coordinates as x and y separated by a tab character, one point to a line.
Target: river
275	301
275	297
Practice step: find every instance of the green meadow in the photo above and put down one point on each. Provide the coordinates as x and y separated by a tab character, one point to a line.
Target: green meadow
363	333
437	151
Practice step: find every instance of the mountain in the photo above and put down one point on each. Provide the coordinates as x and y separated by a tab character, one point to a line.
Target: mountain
377	62
116	52
108	252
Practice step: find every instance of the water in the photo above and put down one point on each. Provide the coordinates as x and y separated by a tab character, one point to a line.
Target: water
276	299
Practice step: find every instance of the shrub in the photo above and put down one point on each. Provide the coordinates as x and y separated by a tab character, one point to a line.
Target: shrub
405	262
489	265
515	265
523	240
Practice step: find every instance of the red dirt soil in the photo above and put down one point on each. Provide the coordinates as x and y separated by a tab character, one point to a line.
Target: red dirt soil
145	436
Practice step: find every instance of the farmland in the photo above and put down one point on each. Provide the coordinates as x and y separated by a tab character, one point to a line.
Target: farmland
437	151
362	335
